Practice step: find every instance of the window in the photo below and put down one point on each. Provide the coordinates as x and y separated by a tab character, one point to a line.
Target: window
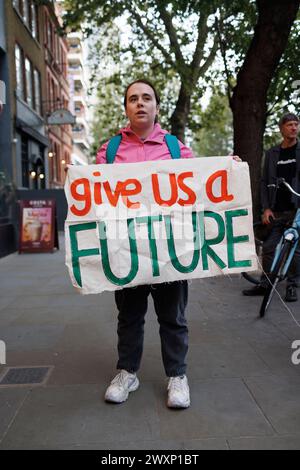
52	95
26	12
29	83
19	71
49	34
37	92
28	74
34	21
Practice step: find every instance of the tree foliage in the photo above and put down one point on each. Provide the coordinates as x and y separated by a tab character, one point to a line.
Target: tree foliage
175	43
236	33
215	136
167	39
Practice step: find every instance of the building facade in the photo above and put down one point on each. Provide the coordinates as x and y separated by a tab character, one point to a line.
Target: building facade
7	191
78	93
26	91
41	71
33	84
57	96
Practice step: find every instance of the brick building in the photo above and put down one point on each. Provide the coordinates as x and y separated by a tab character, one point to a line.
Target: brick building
27	86
57	95
33	72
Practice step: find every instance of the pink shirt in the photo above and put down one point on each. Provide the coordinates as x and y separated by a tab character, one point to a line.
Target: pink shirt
133	149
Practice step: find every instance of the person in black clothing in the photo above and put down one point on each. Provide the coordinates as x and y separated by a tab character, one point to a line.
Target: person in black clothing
279	207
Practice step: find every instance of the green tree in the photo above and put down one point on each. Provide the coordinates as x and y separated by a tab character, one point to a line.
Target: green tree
172	35
249	99
260	52
215	136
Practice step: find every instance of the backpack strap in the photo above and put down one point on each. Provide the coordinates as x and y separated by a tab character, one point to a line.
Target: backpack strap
114	143
112	148
173	145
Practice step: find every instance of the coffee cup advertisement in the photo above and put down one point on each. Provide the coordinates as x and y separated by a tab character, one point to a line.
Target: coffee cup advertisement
37	226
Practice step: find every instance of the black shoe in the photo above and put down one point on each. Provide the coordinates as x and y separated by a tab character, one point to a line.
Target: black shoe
256	290
291	294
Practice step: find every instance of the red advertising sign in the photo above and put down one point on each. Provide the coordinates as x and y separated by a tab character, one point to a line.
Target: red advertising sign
38	226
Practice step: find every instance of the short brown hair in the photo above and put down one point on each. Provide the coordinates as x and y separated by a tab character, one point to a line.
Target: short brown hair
147	82
288	117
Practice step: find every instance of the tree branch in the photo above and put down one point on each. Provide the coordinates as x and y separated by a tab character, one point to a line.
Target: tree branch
209	60
279	98
150	35
202	36
223	53
167	19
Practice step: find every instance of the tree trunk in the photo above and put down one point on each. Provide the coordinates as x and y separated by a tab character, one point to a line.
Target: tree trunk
180	115
248	102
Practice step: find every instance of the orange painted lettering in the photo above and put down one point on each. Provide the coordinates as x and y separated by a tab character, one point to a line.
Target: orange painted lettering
131	192
156	190
224	196
82	197
191	195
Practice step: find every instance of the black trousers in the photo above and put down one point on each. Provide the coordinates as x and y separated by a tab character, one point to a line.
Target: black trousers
170	300
269	245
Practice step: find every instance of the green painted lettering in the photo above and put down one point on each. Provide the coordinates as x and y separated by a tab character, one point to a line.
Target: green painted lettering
171	245
206	249
151	237
119	281
231	240
76	254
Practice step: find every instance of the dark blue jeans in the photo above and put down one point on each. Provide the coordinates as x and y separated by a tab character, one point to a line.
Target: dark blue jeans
170	300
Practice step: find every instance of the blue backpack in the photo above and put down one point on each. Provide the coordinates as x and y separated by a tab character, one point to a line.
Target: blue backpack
114	143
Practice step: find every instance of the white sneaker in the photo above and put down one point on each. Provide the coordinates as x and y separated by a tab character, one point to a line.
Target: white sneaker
178	392
121	386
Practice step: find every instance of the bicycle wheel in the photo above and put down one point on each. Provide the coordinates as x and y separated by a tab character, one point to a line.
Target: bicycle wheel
275	277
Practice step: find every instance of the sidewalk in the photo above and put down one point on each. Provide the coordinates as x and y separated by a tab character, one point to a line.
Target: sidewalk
245	391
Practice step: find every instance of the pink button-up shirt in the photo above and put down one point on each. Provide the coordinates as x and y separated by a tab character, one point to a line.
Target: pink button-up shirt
133	149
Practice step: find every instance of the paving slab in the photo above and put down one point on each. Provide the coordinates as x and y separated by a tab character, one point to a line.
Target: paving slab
220	408
25	338
10	402
245	390
228	359
69	415
278	398
265	443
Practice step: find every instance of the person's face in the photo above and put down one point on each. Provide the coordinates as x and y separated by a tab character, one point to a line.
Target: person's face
141	106
290	129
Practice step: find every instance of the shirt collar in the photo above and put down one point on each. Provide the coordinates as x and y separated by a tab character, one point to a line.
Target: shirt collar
157	135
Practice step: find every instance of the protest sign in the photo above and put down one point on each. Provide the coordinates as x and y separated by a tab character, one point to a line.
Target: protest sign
157	221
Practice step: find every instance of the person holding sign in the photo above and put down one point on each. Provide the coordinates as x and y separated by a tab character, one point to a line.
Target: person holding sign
143	140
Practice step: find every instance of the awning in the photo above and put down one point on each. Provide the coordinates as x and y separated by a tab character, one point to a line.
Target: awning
32	132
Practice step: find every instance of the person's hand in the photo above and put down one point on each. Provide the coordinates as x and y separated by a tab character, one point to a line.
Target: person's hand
66	168
267	216
236	158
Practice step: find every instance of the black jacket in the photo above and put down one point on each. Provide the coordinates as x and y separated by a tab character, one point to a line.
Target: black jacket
268	195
